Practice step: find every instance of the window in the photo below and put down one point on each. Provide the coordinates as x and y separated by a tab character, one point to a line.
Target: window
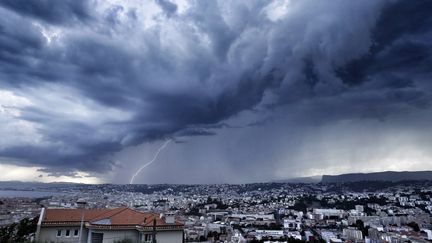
59	233
76	232
96	237
147	238
67	233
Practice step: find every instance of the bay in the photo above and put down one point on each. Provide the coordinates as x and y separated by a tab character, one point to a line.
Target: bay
27	194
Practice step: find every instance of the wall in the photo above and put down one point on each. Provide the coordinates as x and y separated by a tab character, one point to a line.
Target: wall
49	234
169	237
116	235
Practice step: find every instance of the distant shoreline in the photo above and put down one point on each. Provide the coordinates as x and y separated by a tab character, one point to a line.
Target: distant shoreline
27	193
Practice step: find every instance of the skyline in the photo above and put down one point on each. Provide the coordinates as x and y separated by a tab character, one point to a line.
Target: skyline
247	91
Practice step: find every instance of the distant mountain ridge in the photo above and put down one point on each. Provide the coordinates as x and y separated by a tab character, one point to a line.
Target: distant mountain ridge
308	179
378	176
35	185
392	176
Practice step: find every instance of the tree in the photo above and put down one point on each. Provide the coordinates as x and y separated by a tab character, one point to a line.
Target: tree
360	225
213	234
202	238
414	226
19	232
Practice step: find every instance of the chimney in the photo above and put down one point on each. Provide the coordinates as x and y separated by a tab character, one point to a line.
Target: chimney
168	218
81	203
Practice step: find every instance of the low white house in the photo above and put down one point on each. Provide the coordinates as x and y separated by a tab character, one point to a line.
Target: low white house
106	226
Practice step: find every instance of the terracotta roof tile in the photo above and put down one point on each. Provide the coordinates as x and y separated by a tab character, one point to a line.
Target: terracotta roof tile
71	215
117	216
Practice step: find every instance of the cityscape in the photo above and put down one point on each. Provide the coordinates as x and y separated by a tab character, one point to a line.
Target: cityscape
356	211
226	121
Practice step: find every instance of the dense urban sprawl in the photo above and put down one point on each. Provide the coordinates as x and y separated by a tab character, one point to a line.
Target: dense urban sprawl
345	212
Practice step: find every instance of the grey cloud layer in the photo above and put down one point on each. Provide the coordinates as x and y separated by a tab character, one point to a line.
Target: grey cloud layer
200	67
53	12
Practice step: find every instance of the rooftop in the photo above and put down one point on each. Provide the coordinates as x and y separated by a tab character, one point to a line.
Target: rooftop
104	217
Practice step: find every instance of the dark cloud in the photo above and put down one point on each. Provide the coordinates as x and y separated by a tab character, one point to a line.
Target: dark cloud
167	6
394	23
195	132
399	41
54	12
52	173
98	80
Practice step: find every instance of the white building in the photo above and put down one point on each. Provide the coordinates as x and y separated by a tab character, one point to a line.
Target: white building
359	208
292	224
269	233
329	212
352	234
106	226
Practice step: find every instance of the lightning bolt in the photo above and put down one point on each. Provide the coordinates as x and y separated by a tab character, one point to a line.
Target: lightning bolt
151	161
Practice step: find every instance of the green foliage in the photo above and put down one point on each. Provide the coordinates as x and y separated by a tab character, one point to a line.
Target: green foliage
194	211
202	238
360	225
214	234
271	226
19	232
414	226
218	202
305	202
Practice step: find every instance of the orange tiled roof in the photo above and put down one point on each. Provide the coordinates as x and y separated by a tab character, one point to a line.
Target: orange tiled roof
71	215
116	217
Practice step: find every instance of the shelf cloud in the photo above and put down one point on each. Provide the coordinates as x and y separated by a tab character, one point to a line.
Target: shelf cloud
83	80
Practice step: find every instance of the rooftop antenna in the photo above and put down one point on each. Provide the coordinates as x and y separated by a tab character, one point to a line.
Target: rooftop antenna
154	231
81	204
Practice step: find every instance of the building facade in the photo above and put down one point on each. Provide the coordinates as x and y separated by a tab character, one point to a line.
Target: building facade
106	226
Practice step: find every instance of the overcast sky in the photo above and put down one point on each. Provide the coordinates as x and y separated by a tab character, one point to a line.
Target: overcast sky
246	91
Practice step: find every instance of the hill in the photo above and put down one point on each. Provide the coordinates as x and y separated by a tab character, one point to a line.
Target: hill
309	179
379	176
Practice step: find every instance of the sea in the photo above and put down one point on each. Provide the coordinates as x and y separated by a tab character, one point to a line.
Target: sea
28	194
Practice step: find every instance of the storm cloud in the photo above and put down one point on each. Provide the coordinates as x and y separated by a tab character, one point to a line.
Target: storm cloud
83	80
